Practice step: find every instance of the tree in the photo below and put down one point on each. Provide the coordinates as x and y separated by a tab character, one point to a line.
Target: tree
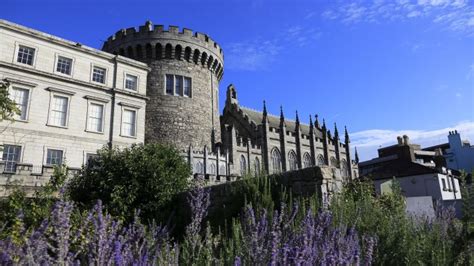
142	177
8	107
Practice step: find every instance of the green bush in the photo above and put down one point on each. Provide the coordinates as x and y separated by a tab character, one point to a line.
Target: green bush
142	177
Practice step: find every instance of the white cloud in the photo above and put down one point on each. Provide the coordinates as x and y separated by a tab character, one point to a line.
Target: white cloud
454	15
368	141
253	55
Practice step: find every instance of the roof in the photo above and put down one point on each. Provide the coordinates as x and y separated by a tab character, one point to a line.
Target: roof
399	168
274	121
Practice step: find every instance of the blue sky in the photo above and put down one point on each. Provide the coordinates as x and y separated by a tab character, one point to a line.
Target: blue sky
383	68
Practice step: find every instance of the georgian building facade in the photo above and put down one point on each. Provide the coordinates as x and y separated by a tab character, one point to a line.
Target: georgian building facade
73	100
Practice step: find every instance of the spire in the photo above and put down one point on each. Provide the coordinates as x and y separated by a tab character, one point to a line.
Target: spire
282	117
346	136
336	133
264	108
316	121
324	124
311	126
356	156
297	118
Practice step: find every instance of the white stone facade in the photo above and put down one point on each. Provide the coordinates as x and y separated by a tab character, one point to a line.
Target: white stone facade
65	107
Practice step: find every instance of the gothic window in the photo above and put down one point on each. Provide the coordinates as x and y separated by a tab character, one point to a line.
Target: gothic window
158	50
292	161
333	162
203	59
243	165
168	51
320	160
212	169
276	161
196	56
177	52
139	52
306	160
199	168
187	53
210	61
148	51
344	169
257	166
222	170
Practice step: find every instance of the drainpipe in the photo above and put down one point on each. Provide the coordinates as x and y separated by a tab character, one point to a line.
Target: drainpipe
112	108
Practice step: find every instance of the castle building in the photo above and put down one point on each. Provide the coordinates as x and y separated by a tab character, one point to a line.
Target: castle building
149	84
73	100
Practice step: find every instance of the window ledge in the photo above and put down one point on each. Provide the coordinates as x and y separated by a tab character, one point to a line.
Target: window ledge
94	132
129	137
63	127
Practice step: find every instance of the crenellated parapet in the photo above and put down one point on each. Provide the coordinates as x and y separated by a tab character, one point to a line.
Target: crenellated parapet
154	42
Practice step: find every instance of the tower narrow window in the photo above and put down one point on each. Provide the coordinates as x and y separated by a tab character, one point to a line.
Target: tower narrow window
169	84
243	165
179	85
187	87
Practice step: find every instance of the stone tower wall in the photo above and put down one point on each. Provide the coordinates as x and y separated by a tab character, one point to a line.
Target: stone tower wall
178	120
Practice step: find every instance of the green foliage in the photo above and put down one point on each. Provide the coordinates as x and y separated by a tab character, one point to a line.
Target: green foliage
143	177
17	211
8	107
402	240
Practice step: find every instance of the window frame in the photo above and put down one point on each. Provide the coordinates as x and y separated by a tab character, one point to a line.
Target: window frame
125	74
56	61
28	102
47	148
175	92
93	66
20	155
17	49
68	111
103	104
129	108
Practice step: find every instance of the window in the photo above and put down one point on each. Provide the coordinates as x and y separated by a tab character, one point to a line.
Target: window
59	108
20	97
98	75
187	87
212	169
11	156
333	162
292	161
179	85
129	123
222	170
276	160
320	160
243	165
131	82
199	168
307	160
64	65
54	157
90	157
257	167
26	55
95	117
344	168
169	84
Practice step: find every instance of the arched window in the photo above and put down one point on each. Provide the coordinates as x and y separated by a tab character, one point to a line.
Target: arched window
320	161
187	53
344	168
218	69
257	166
148	51
243	166
199	168
214	65
307	160
333	162
177	52
130	52
196	56
139	52
159	51
292	161
210	61
168	51
222	170
212	169
203	59
276	161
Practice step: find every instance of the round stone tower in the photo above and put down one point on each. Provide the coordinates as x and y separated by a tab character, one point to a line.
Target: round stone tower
183	85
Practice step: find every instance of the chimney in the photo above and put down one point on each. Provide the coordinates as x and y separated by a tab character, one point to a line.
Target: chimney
406	140
400	141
